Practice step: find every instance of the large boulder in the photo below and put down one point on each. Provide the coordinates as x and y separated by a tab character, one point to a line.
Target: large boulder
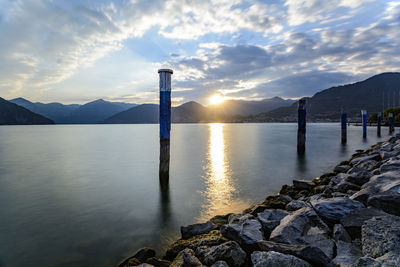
245	231
275	259
270	219
381	235
386	201
271	202
211	239
197	229
186	258
230	252
303	184
140	257
332	210
390	165
358	160
296	205
347	253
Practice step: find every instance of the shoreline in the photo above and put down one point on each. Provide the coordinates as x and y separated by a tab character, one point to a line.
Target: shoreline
348	217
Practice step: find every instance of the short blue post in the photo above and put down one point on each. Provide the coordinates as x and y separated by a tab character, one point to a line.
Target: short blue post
165	123
301	130
379	124
344	126
391	123
364	122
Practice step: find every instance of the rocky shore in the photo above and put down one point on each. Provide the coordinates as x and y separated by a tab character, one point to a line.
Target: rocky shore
349	217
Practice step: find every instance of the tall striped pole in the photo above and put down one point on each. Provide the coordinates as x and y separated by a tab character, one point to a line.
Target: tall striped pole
391	123
165	122
301	130
344	126
379	124
364	122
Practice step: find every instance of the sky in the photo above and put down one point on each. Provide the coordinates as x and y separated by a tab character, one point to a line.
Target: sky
78	51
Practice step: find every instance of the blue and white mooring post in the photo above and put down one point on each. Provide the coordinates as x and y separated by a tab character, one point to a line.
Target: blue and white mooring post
301	130
165	122
378	131
391	123
344	126
364	122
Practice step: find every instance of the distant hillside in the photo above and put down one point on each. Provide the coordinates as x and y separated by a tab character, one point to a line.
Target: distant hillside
12	114
145	113
326	105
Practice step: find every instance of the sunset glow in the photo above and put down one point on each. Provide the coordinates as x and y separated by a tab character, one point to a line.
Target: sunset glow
216	99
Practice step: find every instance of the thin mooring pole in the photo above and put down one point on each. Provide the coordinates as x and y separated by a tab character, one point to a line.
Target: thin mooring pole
165	122
301	130
364	122
379	124
344	126
391	123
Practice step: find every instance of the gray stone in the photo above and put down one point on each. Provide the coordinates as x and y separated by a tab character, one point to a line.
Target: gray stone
356	161
309	253
322	242
390	165
296	204
347	253
239	217
145	265
386	201
220	220
340	234
220	264
197	229
276	259
345	186
157	262
332	210
369	165
186	258
245	232
390	259
270	219
316	197
342	168
230	252
367	262
358	177
294	226
140	257
338	178
387	155
302	184
381	235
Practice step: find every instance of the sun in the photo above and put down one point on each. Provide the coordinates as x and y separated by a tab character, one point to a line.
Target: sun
216	99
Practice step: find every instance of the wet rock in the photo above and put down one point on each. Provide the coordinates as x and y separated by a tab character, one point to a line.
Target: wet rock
386	201
390	165
197	229
294	226
381	235
308	253
140	257
344	186
271	202
220	264
319	189
303	185
270	219
340	233
211	239
342	168
332	210
230	252
220	220
246	232
157	262
274	259
324	179
296	204
239	217
186	258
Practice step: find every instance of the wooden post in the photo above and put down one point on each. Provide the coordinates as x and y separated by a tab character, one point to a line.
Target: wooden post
165	123
379	123
301	130
391	123
344	126
364	122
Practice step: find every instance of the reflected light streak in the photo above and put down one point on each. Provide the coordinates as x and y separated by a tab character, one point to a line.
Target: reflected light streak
220	194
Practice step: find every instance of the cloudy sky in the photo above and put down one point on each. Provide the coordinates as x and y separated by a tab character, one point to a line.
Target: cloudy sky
76	51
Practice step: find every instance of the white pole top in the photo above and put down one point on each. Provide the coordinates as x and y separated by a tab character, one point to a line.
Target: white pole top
165	70
363	112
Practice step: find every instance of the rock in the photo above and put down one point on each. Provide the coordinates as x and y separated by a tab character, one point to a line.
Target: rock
220	264
130	262
347	253
390	165
230	252
239	217
338	178
303	185
338	194
387	155
145	265
356	161
340	234
332	210
342	168
369	165
381	235
211	239
186	258
275	259
296	204
316	197
322	242
158	262
361	196
271	202
390	259
246	232
319	189
386	147
358	177
344	186
270	219
386	201
353	222
294	226
220	220
309	253
367	262
140	257
197	229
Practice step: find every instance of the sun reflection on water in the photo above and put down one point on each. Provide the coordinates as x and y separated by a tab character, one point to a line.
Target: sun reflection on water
221	193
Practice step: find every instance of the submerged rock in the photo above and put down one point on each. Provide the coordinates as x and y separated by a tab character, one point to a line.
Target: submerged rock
197	229
274	259
230	252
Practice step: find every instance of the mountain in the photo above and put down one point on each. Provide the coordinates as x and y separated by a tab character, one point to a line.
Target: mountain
326	105
94	112
54	111
12	114
247	108
145	113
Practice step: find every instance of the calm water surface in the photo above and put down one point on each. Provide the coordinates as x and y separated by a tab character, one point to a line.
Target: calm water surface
86	195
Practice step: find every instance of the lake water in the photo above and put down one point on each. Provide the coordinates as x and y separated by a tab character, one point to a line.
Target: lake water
89	195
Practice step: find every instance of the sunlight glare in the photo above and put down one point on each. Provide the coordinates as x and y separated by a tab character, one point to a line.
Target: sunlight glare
216	99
